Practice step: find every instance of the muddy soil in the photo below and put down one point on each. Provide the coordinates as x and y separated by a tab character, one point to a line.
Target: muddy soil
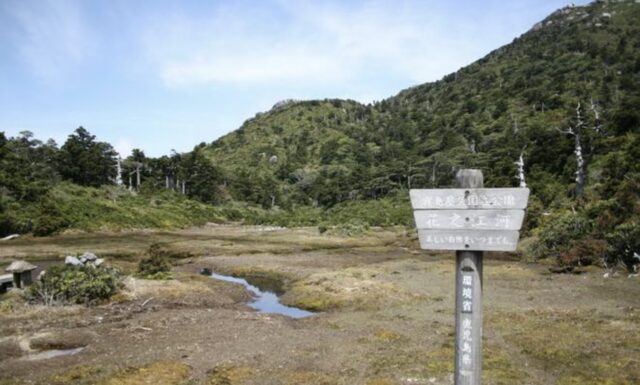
385	315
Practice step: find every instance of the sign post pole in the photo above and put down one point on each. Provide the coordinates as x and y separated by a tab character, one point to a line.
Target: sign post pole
468	348
470	219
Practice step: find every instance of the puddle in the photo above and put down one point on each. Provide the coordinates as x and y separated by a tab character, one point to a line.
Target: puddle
265	301
45	355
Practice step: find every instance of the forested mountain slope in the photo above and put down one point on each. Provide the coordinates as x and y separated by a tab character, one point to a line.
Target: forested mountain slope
520	98
564	98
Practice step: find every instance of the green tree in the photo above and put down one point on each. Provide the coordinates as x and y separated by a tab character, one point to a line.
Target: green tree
203	178
84	161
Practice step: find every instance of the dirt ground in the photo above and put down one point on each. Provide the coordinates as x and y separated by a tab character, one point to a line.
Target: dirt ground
385	315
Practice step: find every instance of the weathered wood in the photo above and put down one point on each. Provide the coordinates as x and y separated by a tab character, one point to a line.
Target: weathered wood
478	240
468	351
469	219
468	198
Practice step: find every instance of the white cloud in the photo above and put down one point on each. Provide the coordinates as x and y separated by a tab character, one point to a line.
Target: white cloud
124	147
312	43
50	36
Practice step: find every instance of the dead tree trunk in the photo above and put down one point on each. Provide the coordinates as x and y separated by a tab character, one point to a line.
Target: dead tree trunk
138	166
520	164
119	172
576	132
579	165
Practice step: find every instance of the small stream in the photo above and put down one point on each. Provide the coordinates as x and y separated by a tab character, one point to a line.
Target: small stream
265	301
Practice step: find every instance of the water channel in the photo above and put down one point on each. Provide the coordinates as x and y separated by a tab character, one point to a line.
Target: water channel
265	301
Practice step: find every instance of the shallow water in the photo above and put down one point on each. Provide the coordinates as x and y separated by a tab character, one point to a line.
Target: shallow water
265	301
45	355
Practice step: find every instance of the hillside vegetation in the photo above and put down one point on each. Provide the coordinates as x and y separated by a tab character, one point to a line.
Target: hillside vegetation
563	97
571	85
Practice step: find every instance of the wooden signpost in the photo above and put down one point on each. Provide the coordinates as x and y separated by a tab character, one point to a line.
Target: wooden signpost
470	219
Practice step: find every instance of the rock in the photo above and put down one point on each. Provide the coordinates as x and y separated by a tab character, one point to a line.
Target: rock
89	256
71	260
98	262
206	271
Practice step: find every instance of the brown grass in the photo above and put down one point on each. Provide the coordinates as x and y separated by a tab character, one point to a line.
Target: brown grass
61	340
577	346
163	372
229	375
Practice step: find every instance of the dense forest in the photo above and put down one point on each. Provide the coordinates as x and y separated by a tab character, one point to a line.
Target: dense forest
561	101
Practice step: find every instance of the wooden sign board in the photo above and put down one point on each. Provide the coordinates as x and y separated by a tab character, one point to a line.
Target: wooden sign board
469	219
477	240
460	198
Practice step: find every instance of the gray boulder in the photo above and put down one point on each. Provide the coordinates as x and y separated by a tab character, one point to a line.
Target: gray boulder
88	256
73	261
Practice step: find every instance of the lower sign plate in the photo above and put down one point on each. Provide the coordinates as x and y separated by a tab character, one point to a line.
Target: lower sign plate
478	240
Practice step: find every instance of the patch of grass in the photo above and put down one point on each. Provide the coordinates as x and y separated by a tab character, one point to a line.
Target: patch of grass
11	381
229	375
78	375
64	340
381	381
439	362
575	345
309	378
190	290
162	372
499	368
10	302
509	271
389	336
10	348
360	288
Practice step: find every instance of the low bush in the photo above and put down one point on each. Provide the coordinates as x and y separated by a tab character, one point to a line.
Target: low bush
157	265
75	285
557	231
624	246
584	252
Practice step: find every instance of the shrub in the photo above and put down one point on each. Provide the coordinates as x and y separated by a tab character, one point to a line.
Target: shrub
557	232
624	245
584	252
157	265
75	284
351	228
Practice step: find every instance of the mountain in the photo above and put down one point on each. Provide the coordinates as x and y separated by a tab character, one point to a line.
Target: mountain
562	100
519	99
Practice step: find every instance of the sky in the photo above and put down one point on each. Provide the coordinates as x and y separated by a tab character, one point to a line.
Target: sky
166	75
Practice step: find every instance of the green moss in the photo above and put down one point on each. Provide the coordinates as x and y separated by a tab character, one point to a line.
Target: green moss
82	374
573	345
229	375
162	372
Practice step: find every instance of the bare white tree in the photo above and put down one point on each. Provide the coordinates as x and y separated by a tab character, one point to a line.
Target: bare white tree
576	132
119	172
520	164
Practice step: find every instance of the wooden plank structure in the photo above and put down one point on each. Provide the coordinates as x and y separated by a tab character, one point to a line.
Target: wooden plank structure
469	219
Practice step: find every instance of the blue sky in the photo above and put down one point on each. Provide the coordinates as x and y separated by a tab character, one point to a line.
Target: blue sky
162	75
